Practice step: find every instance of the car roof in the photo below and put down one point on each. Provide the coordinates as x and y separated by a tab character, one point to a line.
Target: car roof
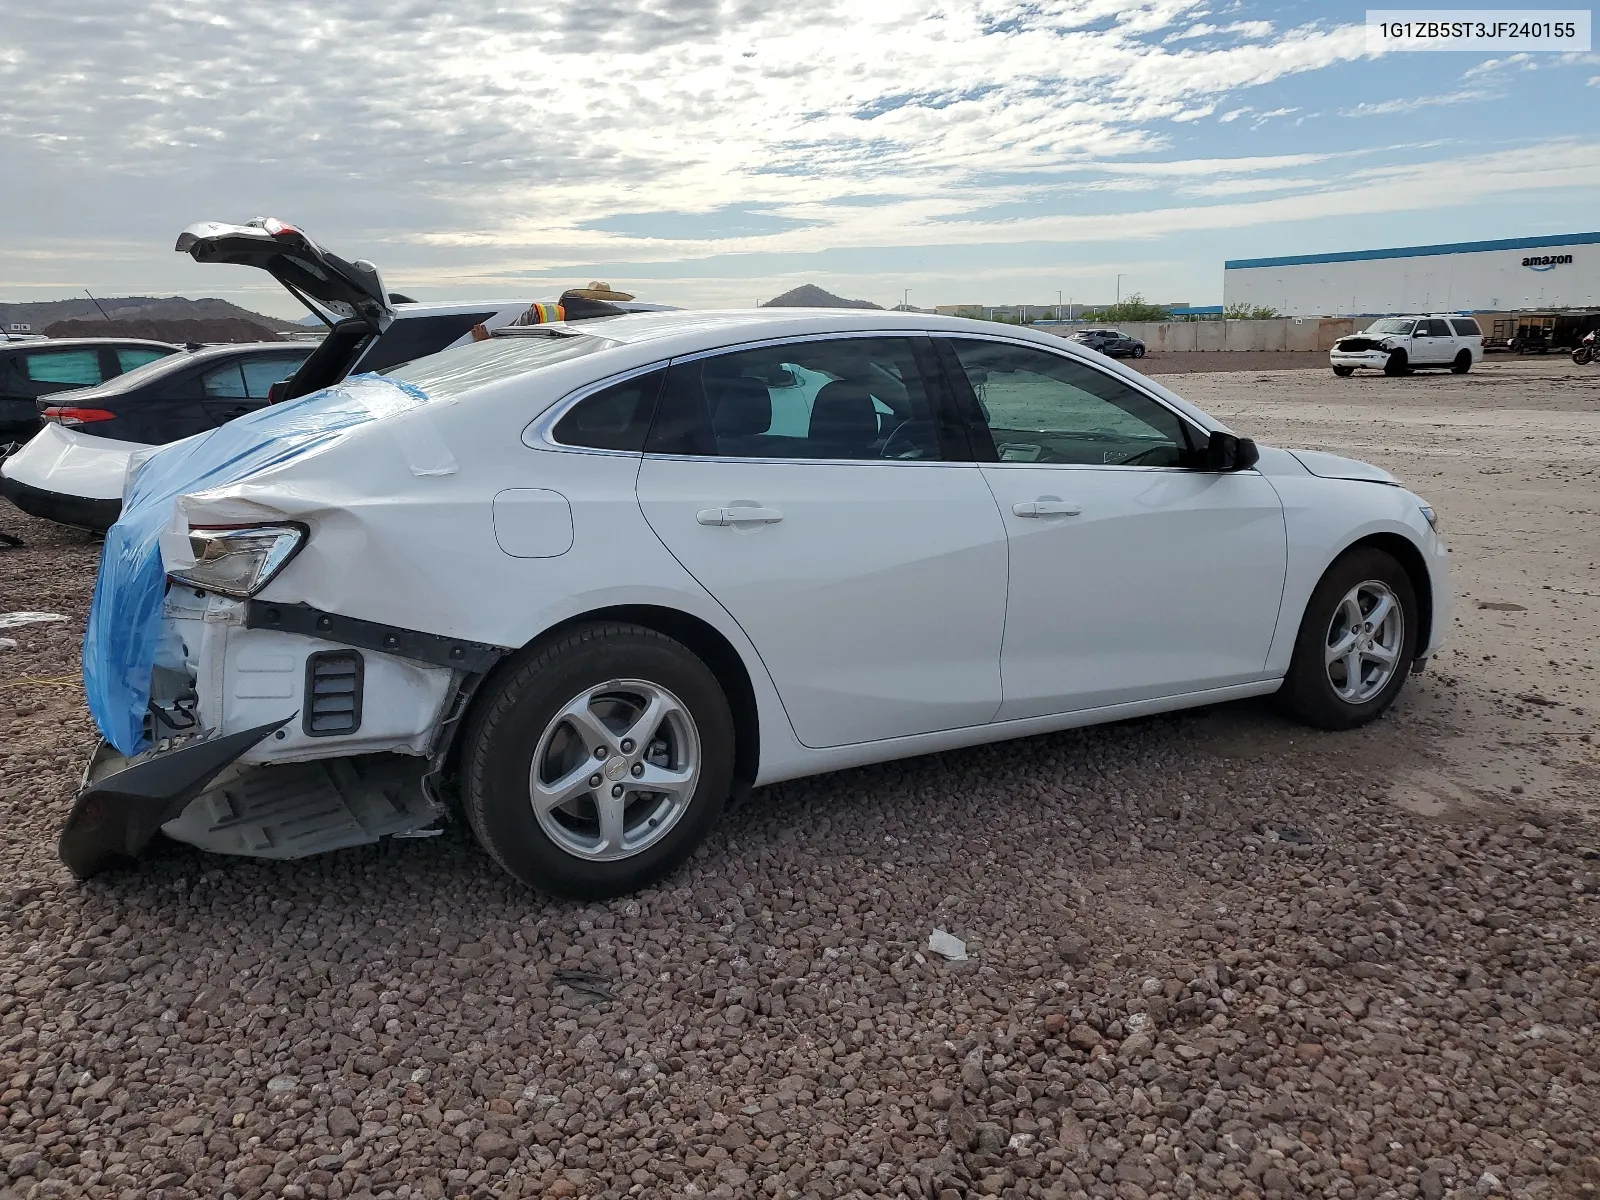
50	343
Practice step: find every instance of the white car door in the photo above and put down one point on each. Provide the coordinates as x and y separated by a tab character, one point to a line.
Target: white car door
1433	343
808	486
1134	574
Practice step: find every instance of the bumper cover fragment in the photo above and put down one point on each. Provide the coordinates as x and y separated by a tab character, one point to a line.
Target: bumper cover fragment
124	801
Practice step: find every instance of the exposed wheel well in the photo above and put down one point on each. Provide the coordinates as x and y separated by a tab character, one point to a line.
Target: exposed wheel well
1408	556
717	653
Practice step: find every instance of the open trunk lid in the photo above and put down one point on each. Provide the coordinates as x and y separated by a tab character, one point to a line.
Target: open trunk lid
330	286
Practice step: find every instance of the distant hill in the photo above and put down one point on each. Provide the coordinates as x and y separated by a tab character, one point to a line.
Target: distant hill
809	295
43	313
214	329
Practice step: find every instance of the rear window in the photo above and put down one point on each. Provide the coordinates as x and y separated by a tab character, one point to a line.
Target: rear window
1466	327
80	368
131	357
452	372
410	338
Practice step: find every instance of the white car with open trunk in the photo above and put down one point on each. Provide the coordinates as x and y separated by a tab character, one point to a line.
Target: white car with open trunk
590	578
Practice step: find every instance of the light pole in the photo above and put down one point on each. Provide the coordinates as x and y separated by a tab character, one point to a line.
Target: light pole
1058	306
905	300
1119	288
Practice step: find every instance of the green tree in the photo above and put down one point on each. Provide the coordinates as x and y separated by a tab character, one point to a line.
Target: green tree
1249	312
1134	308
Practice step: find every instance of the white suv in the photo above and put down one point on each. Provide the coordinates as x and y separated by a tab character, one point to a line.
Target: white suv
1395	345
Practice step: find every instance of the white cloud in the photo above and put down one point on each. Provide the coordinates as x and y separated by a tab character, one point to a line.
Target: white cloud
1389	108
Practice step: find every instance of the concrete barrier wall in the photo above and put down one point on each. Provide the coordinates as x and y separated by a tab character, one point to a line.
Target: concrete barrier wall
1309	334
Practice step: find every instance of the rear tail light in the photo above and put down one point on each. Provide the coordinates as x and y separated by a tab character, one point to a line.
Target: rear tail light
66	415
276	227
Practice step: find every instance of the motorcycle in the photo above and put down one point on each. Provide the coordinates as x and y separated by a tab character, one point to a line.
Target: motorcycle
1585	351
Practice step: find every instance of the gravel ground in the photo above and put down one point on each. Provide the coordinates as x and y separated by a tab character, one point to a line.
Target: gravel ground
1211	954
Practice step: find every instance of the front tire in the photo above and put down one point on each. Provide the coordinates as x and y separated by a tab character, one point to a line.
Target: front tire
1138	351
596	764
1462	364
1398	364
1356	642
1344	372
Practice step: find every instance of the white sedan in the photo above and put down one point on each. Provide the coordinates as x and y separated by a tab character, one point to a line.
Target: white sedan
591	578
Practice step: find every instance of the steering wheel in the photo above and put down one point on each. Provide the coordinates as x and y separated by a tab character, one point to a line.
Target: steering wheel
906	432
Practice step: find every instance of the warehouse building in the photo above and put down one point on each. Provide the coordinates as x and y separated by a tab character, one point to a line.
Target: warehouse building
1557	272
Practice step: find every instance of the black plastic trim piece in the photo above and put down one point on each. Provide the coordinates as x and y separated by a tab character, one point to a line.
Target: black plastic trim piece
115	816
370	635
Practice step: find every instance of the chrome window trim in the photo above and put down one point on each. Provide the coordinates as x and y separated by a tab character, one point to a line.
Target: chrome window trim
1182	417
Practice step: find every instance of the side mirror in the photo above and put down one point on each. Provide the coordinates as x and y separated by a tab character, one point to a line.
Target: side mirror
1225	452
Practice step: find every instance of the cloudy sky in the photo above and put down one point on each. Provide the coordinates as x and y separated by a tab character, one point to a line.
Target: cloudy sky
717	152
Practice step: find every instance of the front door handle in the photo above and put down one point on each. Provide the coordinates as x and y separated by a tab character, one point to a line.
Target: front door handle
738	515
1047	506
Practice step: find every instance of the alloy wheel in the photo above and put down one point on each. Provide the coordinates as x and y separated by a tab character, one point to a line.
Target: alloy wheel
615	769
1365	636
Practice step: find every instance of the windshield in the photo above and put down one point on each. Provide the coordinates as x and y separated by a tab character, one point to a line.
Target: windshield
1391	325
452	372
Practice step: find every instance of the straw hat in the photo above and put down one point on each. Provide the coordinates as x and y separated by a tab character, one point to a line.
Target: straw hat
599	291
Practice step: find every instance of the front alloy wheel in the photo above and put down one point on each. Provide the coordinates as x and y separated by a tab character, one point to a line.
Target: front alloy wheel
1364	641
1357	638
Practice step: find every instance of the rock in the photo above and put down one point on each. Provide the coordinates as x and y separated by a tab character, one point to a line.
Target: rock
492	1143
342	1122
1136	1046
940	1097
1431	1185
963	1127
1083	1037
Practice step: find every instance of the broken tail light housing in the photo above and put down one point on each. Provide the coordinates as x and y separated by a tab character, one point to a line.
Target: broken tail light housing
66	414
239	560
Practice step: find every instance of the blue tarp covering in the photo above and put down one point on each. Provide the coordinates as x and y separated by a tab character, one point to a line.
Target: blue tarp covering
125	620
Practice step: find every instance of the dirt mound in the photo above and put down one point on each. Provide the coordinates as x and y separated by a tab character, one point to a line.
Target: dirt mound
214	329
809	295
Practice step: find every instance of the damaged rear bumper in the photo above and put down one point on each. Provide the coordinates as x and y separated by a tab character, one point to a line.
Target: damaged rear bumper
81	512
124	801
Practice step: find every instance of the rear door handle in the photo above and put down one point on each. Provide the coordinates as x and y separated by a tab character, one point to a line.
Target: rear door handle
738	515
1047	506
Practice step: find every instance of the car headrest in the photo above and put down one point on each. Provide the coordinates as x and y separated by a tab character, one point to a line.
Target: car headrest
843	412
739	407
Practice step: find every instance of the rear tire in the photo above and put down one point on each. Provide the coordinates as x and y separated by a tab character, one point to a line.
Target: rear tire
1339	677
534	738
1398	364
1344	372
1462	364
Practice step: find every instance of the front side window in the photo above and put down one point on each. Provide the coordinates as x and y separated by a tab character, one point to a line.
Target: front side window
1437	328
835	398
76	368
1046	408
1466	327
614	418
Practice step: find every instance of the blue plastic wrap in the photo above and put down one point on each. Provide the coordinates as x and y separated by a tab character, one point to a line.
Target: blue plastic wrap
125	620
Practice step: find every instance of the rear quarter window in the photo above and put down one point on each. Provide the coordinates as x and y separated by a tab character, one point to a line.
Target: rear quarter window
1466	327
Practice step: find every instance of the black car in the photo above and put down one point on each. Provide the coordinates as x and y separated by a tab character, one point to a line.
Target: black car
1111	342
44	366
179	395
